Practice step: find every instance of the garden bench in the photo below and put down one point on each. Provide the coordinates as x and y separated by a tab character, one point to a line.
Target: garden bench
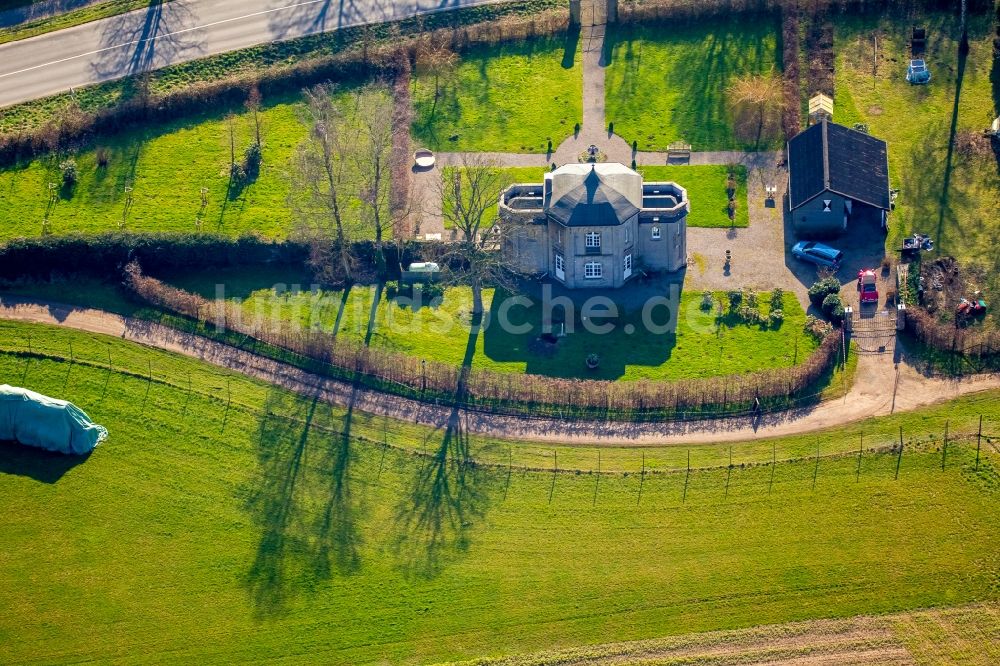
679	150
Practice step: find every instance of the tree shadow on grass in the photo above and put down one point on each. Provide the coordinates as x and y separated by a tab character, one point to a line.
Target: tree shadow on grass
963	56
447	494
302	501
40	465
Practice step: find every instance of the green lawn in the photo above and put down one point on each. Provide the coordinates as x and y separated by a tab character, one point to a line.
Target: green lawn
206	533
166	167
669	83
698	346
510	98
706	188
916	122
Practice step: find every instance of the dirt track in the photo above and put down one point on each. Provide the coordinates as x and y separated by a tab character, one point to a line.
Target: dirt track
871	394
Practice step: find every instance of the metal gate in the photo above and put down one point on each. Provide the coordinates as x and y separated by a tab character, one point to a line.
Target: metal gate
875	333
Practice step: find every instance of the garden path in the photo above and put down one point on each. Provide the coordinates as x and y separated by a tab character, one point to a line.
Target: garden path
883	385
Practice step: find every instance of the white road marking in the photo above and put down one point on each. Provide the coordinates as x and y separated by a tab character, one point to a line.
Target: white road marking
166	34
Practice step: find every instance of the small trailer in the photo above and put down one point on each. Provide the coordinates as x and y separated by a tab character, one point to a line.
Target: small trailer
423	272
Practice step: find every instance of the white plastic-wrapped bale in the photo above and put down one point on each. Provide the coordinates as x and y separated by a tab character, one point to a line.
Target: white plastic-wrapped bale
36	420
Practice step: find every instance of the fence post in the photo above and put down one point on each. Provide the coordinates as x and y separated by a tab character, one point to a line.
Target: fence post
899	458
686	477
861	449
597	481
729	470
555	469
816	468
944	448
979	440
642	478
774	462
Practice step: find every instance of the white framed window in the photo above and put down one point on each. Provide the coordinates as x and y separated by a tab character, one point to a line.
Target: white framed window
593	270
593	239
560	266
827	203
627	235
627	265
655	233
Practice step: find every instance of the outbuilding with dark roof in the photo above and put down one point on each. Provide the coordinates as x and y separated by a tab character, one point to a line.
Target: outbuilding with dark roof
836	174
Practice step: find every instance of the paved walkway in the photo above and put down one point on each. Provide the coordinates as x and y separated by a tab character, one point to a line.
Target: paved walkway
871	395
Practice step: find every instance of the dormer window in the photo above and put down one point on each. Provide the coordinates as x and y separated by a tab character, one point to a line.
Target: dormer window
827	203
656	233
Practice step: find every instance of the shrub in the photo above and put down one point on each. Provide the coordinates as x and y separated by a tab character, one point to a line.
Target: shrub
735	299
431	291
777	298
748	314
751	298
391	289
251	161
823	288
776	316
833	308
817	328
103	156
237	174
69	173
707	300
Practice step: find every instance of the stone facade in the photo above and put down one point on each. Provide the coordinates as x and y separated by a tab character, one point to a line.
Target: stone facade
595	226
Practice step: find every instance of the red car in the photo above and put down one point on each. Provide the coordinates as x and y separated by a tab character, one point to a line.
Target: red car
868	286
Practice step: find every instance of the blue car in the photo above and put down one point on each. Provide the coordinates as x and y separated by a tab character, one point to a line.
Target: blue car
817	253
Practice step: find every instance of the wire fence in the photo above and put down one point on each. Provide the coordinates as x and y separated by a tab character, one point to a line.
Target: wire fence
966	442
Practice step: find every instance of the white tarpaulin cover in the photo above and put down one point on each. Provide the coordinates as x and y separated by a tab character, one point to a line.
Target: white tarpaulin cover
36	420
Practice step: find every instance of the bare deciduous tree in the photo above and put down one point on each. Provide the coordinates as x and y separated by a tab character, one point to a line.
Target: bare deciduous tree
321	186
372	160
436	60
469	196
756	102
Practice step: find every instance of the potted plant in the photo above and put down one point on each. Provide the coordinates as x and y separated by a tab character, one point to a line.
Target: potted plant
593	360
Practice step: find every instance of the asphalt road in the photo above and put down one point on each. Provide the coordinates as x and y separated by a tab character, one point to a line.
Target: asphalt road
179	31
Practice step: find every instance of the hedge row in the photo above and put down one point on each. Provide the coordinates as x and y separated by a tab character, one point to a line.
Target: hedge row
105	256
507	393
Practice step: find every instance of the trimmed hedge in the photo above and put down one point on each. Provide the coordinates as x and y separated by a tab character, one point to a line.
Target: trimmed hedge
106	255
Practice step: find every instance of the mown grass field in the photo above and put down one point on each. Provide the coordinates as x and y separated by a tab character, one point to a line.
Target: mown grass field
201	532
706	188
951	196
166	167
698	344
670	83
511	98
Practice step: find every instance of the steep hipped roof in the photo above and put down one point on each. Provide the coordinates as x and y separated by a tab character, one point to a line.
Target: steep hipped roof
592	199
832	157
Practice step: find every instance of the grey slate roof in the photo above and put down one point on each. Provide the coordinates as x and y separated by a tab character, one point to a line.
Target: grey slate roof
832	157
592	203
